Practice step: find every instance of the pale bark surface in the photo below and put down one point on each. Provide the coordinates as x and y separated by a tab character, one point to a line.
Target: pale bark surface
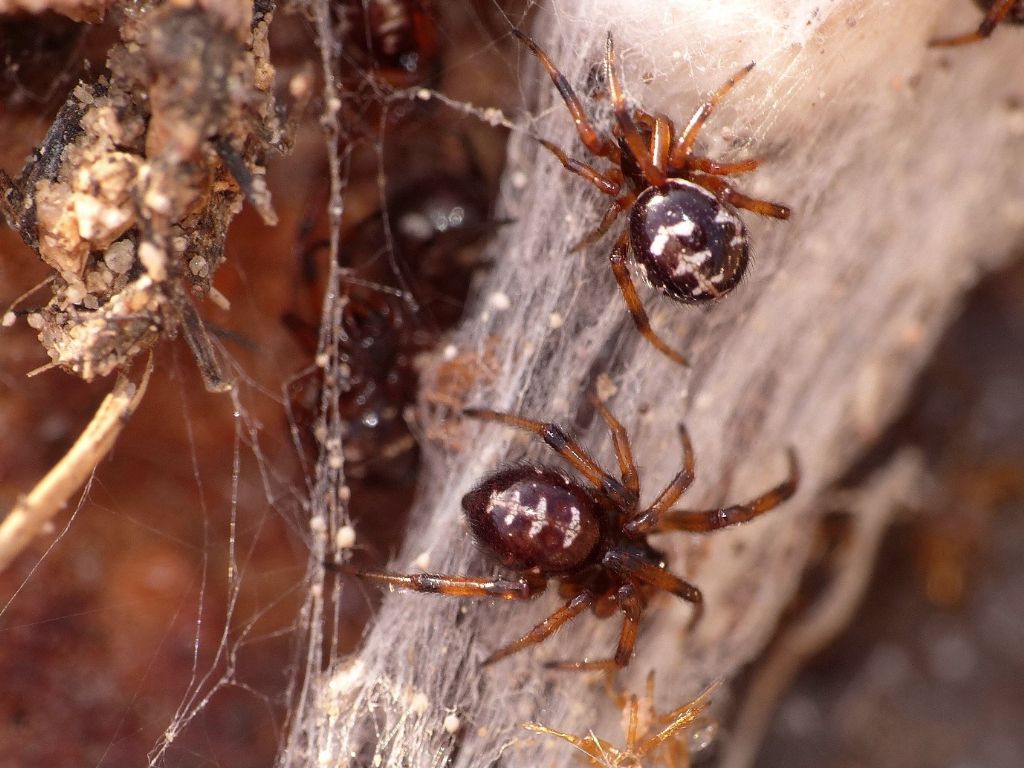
905	170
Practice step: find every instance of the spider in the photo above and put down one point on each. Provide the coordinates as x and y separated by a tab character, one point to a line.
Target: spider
432	223
641	739
996	12
589	533
397	38
684	231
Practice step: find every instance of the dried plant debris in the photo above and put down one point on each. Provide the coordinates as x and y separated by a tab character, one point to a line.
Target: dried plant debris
130	196
674	737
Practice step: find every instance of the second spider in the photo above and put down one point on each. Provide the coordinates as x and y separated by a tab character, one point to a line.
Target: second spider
590	533
684	231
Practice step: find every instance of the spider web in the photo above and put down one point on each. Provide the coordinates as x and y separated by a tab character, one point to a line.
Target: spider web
370	718
370	709
235	512
414	694
316	510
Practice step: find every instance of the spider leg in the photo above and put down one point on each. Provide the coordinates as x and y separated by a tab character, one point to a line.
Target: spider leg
686	140
546	628
995	15
593	141
648	520
694	709
603	183
661	142
631	731
522	588
707	165
618	206
654	175
679	718
594	746
723	191
623	450
563	445
631	605
649	689
646	119
632	299
660	128
632	566
704	521
605	605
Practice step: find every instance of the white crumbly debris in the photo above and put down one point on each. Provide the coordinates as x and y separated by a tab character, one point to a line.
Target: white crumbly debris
219	299
348	677
198	266
345	538
606	388
74	293
300	85
500	301
153	259
120	256
419	704
422	560
452	724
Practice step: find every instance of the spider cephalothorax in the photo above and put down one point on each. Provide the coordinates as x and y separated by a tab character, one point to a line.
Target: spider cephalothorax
589	532
684	231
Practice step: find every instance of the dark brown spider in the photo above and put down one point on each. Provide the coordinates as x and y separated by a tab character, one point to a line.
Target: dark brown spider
432	224
684	231
397	40
996	12
591	535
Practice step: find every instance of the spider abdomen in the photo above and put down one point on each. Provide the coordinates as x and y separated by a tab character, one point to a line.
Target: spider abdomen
690	245
534	518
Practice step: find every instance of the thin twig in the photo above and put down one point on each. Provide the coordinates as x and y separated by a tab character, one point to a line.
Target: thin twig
30	515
